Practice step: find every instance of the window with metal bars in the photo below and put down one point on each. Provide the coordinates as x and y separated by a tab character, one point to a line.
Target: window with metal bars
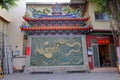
101	16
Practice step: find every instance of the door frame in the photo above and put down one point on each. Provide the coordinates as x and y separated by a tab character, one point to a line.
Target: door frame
95	44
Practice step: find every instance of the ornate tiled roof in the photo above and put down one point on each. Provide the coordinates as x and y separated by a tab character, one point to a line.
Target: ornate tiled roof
56	26
55	19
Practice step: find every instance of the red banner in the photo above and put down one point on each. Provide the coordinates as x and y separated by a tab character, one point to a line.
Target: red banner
103	41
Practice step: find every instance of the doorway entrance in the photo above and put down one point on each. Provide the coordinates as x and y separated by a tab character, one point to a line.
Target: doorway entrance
104	55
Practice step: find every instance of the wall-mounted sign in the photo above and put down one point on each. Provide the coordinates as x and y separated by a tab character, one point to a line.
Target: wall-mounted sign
90	51
16	53
103	41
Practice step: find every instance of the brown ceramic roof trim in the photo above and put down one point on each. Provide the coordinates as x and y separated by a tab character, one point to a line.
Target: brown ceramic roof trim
57	19
55	28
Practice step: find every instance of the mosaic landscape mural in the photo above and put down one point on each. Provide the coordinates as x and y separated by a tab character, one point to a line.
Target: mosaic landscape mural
56	51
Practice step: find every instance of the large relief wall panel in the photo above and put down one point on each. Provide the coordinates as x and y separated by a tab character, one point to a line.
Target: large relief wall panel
56	51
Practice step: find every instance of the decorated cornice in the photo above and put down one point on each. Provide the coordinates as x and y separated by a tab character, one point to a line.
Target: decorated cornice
36	28
86	18
54	30
57	30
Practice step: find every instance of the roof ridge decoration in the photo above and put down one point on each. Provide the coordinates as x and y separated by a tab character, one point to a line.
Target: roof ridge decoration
54	11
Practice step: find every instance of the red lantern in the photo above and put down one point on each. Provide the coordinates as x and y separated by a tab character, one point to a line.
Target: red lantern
27	51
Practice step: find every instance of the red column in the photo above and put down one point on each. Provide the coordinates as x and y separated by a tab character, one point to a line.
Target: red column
90	61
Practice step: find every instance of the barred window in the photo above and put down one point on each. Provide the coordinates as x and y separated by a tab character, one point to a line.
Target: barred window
101	16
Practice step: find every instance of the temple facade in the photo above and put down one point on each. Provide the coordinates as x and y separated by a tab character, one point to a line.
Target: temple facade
56	36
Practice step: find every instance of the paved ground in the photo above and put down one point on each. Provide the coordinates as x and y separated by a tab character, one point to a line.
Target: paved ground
97	74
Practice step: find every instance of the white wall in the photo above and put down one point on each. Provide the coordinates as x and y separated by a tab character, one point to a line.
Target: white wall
5	14
15	36
1	25
5	18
